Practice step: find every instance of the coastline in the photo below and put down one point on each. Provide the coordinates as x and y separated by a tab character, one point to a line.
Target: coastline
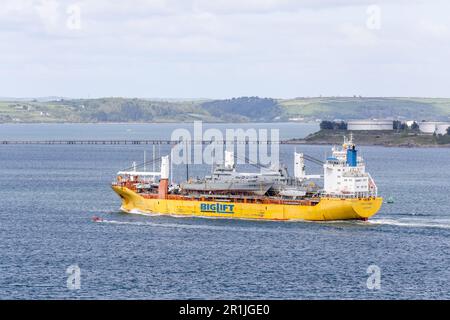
403	139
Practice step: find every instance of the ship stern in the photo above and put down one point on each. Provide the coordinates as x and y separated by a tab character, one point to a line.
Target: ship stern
367	207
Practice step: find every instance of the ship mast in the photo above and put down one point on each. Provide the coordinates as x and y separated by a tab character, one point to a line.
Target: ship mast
187	162
154	158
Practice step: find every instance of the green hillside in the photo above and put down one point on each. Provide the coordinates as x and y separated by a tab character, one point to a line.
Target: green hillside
243	109
367	108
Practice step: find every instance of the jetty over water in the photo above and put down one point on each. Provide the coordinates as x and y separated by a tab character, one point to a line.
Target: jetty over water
139	142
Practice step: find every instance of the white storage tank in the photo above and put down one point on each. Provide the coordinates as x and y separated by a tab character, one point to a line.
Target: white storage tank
356	125
442	128
431	127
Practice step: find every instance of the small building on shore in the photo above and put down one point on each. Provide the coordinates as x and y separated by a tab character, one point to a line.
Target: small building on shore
355	125
431	127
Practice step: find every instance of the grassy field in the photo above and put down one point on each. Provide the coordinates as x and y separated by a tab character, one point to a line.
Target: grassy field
35	112
367	108
244	109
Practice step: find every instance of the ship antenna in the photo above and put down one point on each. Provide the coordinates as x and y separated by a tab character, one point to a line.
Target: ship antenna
170	160
213	160
153	158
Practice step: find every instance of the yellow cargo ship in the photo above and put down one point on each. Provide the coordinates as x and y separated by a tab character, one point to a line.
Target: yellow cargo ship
320	209
348	193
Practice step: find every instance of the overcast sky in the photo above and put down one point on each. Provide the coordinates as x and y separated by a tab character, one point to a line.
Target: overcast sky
224	48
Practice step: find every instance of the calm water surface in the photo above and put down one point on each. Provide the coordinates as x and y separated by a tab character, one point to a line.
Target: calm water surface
50	194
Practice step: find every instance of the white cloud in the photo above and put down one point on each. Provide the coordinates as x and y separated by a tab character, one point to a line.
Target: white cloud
358	35
222	48
437	30
49	13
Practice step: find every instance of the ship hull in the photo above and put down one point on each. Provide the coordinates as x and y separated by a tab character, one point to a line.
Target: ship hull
327	209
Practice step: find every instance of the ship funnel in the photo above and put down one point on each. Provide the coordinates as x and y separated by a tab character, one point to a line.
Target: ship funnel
229	159
299	166
351	156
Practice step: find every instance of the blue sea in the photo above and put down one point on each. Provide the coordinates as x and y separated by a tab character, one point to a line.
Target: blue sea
50	193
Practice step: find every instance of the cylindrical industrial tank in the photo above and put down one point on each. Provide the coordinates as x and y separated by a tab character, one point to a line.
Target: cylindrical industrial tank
434	127
356	125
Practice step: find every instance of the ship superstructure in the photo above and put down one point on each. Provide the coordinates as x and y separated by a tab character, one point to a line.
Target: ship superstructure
348	191
345	173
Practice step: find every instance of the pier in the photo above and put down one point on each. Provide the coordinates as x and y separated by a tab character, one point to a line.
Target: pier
134	142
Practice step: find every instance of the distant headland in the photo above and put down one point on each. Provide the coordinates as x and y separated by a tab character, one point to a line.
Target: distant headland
236	110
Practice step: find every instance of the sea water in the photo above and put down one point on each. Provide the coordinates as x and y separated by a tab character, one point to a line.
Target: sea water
50	193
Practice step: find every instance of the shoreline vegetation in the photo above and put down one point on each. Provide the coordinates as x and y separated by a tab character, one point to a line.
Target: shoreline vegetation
237	110
376	138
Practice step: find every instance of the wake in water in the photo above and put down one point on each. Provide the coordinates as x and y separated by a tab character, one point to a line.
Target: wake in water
416	223
193	226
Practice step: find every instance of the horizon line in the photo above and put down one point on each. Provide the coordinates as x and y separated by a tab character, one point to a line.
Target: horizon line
56	98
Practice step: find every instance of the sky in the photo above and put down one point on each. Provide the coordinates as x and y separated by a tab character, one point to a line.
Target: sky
224	48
